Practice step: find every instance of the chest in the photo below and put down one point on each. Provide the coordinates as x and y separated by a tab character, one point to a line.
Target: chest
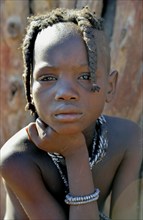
103	175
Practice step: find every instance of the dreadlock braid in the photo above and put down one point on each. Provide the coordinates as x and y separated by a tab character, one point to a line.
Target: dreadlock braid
88	35
87	23
28	62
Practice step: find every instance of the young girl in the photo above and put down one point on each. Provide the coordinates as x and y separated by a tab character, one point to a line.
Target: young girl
66	163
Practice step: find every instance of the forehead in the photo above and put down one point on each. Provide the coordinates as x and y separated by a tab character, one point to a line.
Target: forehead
63	29
59	42
68	35
58	34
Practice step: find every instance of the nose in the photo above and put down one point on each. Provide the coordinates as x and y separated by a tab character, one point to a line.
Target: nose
66	91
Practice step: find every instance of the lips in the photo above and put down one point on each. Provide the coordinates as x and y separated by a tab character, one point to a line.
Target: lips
68	117
68	114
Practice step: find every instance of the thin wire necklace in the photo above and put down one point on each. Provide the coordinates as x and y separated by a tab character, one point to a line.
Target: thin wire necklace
98	150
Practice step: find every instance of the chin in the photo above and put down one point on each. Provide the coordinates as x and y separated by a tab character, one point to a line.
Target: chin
67	130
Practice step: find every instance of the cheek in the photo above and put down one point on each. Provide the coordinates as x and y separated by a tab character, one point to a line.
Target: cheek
96	104
39	98
43	101
103	90
36	94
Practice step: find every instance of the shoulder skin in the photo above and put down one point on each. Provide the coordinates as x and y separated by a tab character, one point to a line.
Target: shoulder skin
126	136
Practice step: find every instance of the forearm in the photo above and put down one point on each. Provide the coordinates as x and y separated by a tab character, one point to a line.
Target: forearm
80	184
75	152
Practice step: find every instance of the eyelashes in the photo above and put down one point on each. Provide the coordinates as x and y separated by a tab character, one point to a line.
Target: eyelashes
85	76
50	78
47	78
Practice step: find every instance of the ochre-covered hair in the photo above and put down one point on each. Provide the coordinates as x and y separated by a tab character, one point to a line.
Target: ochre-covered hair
87	23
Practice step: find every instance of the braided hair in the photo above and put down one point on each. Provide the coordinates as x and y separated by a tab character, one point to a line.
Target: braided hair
87	23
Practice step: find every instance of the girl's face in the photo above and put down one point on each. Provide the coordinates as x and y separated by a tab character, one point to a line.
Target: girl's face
61	87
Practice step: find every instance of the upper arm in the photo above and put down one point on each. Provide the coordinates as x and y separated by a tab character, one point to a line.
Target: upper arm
13	209
23	177
124	198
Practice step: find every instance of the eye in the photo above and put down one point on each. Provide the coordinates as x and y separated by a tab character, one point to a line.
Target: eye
85	76
48	78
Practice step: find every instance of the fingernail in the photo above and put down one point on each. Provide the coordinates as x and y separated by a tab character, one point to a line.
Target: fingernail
26	128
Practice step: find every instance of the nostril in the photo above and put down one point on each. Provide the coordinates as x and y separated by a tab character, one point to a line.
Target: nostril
61	98
66	96
66	91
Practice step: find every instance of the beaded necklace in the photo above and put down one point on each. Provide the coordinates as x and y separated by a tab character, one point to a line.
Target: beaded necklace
96	153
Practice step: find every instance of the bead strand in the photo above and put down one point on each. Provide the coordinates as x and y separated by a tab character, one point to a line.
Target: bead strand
79	200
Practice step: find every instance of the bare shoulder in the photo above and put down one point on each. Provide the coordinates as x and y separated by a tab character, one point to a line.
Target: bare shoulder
124	127
126	150
21	166
17	151
17	144
124	134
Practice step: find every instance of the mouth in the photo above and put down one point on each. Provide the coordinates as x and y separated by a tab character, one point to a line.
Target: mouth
68	117
67	113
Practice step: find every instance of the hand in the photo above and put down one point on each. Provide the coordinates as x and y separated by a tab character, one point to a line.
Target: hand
47	139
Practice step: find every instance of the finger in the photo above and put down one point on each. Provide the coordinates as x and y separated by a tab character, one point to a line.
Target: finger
27	131
41	127
41	124
32	132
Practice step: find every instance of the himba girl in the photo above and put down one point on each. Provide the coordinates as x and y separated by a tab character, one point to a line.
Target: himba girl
65	164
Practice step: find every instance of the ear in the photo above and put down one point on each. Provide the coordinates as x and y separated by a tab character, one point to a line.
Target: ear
111	88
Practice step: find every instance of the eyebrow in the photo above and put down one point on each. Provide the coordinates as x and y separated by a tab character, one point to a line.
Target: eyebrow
51	67
38	68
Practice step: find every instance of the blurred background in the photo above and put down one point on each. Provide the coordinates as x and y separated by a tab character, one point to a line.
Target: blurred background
123	26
